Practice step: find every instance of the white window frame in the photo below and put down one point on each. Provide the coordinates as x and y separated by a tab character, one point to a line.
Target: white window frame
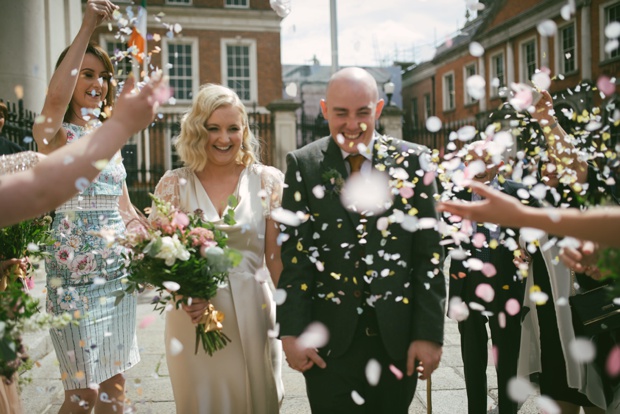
446	93
559	49
494	91
232	6
104	40
195	59
177	3
251	43
428	110
603	39
523	76
467	98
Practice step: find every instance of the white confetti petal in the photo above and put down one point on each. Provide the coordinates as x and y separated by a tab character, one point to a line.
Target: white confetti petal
547	28
373	372
285	217
81	184
316	335
547	405
476	49
171	286
433	124
175	347
582	350
357	399
519	389
612	30
279	296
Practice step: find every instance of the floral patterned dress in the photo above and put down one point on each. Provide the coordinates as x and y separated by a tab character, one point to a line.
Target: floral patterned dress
85	275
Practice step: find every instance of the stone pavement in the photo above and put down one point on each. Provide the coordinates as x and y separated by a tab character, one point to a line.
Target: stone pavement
149	389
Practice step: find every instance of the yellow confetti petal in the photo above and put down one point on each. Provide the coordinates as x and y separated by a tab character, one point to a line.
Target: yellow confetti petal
304	287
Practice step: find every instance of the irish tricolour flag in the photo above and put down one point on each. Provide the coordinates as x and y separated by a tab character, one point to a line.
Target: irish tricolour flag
137	40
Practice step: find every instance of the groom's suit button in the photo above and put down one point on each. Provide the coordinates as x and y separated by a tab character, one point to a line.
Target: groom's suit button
357	293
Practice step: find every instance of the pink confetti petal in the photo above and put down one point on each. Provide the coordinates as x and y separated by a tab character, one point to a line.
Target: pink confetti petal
397	372
613	362
605	85
512	307
478	240
429	177
406	192
146	321
485	292
488	270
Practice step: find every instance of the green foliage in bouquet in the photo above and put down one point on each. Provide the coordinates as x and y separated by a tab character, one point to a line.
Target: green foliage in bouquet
183	256
26	238
19	313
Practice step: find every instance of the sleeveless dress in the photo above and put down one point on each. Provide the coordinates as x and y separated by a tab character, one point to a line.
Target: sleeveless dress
245	376
84	274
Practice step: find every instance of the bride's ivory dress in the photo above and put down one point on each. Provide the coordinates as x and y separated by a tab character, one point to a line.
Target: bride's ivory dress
244	377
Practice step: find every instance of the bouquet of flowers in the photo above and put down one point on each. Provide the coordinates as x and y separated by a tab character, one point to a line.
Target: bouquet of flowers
183	256
21	240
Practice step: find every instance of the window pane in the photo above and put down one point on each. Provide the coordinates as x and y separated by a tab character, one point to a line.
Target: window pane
238	70
180	72
568	48
122	62
612	14
237	3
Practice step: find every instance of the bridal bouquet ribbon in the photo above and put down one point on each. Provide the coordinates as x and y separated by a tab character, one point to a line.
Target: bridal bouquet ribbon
183	256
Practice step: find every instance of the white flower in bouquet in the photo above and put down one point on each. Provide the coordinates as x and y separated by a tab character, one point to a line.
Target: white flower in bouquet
168	248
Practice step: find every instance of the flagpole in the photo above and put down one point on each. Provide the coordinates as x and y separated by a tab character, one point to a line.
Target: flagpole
333	19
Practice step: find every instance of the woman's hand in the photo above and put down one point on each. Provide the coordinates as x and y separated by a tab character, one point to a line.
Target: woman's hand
196	309
98	11
5	264
582	259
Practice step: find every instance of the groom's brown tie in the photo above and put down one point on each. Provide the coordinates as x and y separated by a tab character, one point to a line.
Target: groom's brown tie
355	161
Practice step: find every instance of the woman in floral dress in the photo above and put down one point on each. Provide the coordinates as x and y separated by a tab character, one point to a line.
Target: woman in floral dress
84	273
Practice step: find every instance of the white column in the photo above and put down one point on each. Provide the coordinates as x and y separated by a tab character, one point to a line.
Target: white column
283	113
510	63
482	103
544	52
585	49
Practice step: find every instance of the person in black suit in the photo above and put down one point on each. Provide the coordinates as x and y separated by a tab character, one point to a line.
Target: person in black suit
372	278
6	146
487	292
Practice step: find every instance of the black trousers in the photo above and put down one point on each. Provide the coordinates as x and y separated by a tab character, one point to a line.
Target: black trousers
330	389
474	340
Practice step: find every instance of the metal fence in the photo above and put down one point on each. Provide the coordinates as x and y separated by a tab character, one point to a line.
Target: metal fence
18	125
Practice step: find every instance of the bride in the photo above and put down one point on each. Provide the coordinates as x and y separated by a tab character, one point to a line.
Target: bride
219	153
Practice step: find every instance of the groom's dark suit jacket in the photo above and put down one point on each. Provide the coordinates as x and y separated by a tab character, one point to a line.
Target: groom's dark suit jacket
325	263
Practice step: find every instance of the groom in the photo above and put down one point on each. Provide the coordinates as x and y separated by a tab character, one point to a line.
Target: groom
372	280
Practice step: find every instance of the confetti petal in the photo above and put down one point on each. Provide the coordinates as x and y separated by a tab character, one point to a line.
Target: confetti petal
582	350
373	372
519	389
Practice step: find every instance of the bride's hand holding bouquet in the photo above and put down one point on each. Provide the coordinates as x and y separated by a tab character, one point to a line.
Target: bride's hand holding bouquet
186	259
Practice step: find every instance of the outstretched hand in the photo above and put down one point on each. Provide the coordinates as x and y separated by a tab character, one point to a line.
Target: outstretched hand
135	110
582	259
427	353
496	207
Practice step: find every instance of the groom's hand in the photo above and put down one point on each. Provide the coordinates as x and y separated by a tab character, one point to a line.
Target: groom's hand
427	353
299	358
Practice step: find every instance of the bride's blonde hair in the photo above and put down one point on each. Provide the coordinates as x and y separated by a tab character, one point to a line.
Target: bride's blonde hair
191	142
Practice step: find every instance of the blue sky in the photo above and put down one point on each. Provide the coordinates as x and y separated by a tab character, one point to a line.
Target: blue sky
370	32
